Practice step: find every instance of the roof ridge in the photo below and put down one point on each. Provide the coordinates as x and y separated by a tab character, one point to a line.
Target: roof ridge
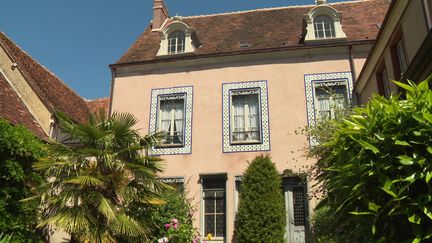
269	9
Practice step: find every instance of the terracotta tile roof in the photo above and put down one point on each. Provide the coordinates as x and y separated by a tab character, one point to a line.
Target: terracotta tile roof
97	104
14	110
51	90
263	29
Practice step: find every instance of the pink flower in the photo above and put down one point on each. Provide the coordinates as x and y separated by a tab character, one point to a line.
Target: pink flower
174	221
175	226
167	226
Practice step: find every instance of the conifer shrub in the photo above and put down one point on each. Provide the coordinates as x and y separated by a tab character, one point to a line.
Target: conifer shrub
261	213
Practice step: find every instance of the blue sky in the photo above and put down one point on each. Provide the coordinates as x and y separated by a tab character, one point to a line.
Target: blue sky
78	39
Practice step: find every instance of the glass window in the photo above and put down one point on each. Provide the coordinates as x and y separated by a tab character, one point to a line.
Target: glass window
330	100
401	56
176	42
214	208
299	206
385	81
245	122
171	119
324	27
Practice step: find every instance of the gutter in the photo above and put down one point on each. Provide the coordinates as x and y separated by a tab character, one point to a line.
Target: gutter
264	50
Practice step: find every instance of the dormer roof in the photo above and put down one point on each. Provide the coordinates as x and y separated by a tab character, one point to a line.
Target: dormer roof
263	29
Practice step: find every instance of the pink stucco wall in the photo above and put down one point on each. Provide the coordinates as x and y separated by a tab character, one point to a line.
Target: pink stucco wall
287	109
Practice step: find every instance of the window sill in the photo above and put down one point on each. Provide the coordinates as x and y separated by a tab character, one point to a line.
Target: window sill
325	40
161	146
173	55
245	143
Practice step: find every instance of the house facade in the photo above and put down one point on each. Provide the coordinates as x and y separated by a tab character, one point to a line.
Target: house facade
402	50
225	88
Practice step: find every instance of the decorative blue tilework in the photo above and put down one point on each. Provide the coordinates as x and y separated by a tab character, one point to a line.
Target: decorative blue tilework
264	144
187	146
323	79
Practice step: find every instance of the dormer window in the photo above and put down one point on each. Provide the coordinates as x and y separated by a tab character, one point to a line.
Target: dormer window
176	42
324	27
176	39
324	24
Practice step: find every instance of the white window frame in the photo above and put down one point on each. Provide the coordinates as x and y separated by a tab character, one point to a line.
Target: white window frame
227	121
176	36
246	115
223	179
182	97
330	12
331	97
322	24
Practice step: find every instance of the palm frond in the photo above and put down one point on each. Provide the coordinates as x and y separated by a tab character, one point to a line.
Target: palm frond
86	180
106	209
124	225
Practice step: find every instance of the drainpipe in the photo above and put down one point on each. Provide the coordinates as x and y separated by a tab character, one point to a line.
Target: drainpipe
111	91
354	98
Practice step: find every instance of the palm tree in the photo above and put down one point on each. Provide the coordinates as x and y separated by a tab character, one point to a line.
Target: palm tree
91	184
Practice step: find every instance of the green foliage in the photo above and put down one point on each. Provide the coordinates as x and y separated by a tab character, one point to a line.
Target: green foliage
172	219
376	170
91	184
5	238
261	213
19	148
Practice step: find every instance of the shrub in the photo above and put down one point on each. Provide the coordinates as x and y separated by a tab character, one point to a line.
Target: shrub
377	172
19	148
261	213
172	219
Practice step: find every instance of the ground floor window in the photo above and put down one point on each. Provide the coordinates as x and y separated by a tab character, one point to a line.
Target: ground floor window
214	200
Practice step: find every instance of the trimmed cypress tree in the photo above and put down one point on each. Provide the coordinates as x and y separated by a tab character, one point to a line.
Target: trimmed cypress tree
261	213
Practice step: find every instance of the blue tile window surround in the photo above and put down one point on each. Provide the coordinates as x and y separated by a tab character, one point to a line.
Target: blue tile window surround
186	147
312	81
264	143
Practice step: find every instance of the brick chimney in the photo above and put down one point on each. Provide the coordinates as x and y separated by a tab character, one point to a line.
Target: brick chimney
160	14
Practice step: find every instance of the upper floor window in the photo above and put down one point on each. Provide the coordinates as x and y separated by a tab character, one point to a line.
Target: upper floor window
330	100
245	117
245	127
171	119
171	113
323	24
324	27
401	56
176	42
177	38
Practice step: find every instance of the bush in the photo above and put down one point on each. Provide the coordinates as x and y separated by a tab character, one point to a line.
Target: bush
172	220
19	148
261	213
376	170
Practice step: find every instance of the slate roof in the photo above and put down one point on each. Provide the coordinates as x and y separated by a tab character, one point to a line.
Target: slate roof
51	90
265	29
96	104
14	110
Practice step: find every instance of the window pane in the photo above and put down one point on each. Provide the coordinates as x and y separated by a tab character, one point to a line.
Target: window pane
245	105
171	118
299	208
209	224
324	27
176	42
401	57
220	226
